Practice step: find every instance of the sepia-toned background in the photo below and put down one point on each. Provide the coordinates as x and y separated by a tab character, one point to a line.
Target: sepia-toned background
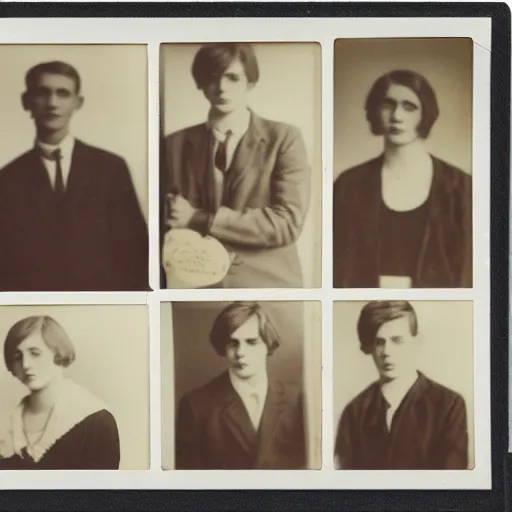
114	115
288	90
189	361
446	354
446	63
112	362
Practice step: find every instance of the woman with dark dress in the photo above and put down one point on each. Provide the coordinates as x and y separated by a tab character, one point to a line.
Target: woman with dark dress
59	424
403	219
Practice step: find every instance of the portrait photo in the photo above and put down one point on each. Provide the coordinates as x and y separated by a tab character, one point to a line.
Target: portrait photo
402	203
241	167
73	168
403	385
75	387
241	387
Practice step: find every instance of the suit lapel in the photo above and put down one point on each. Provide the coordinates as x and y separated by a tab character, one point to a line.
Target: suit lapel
374	434
80	186
41	178
269	420
246	160
199	166
234	416
408	418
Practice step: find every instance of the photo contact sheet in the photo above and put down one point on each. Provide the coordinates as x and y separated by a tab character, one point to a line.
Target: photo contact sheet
235	261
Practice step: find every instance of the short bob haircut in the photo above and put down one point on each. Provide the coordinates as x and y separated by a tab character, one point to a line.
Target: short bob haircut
53	68
233	316
212	60
414	81
376	313
52	333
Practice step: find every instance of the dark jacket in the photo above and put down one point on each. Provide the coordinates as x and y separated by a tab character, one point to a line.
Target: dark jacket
428	431
91	444
265	201
97	241
445	259
214	431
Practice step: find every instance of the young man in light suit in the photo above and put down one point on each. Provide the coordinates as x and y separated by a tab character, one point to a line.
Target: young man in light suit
69	216
242	419
239	178
404	420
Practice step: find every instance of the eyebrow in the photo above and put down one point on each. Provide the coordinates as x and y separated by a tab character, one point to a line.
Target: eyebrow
405	102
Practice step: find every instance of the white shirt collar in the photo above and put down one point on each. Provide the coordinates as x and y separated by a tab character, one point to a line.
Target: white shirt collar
66	146
73	405
395	390
236	122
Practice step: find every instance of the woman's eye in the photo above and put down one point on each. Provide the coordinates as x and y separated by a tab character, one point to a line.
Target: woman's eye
409	107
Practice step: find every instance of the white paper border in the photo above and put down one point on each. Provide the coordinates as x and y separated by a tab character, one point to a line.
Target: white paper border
324	30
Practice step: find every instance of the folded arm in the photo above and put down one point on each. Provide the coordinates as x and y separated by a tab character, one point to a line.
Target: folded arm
275	225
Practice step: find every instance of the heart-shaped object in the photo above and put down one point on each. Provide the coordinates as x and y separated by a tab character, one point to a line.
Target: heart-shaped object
193	261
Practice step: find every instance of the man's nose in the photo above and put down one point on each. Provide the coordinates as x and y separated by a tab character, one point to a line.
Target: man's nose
52	100
385	349
221	83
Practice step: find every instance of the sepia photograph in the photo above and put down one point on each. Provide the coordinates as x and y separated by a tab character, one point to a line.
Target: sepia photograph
75	388
402	204
73	168
241	389
241	169
403	385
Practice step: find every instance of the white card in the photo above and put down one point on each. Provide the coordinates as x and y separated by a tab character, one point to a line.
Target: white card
395	282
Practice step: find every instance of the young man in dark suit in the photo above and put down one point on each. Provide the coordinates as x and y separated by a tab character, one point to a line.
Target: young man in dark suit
69	216
404	420
239	178
242	419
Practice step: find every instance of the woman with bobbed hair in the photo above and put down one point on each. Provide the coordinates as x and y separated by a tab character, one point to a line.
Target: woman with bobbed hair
403	219
59	424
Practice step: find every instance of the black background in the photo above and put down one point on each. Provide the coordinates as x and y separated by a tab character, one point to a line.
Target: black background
381	501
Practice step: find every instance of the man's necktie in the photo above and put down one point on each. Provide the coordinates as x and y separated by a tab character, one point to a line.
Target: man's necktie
59	180
221	155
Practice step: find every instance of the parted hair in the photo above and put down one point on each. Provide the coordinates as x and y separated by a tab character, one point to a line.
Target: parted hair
233	316
55	67
54	336
212	60
376	313
414	81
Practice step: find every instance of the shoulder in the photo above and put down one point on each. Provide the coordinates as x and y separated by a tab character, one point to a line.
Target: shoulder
441	396
16	166
362	401
93	152
277	130
451	176
207	393
358	175
180	135
102	419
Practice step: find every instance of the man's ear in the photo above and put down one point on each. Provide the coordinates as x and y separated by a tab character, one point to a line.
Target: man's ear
79	102
25	100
